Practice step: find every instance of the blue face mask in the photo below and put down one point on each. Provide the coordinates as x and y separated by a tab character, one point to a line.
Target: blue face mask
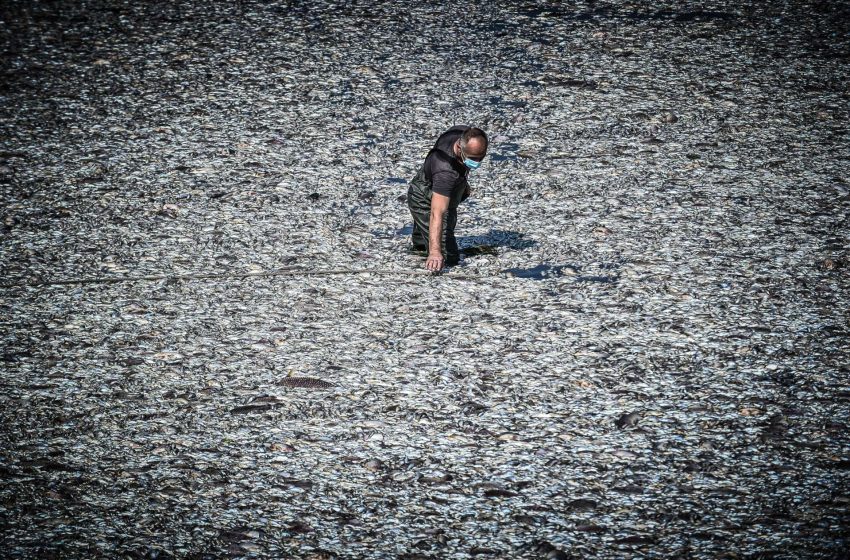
471	164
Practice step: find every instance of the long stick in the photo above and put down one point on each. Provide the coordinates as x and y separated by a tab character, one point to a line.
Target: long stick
291	271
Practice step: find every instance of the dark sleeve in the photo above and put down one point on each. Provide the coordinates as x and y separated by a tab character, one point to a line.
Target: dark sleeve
442	182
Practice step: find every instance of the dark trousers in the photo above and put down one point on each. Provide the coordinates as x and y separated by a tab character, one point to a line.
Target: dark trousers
419	202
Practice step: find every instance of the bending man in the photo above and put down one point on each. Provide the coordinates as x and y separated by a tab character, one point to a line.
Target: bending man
438	188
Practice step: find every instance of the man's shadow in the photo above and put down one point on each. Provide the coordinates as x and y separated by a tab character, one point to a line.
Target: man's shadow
489	244
474	245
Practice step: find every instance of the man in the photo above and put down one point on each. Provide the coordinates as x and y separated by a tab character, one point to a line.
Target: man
438	188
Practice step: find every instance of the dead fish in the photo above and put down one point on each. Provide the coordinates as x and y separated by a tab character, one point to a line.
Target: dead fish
249	408
669	117
627	420
635	539
305	383
590	528
167	394
582	504
482	551
624	454
499	493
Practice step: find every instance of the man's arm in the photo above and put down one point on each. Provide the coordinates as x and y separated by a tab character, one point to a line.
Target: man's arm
439	207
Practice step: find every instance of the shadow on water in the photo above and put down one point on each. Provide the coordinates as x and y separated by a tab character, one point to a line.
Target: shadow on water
545	271
489	244
610	274
474	245
542	271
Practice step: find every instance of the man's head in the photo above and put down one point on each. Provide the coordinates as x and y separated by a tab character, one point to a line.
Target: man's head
472	147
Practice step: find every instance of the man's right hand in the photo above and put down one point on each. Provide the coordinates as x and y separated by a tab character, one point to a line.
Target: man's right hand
439	207
434	263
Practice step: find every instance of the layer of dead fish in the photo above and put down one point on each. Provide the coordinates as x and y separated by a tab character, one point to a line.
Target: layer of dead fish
653	363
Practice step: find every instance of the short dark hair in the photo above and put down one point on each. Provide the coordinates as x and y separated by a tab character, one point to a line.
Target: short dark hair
471	133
